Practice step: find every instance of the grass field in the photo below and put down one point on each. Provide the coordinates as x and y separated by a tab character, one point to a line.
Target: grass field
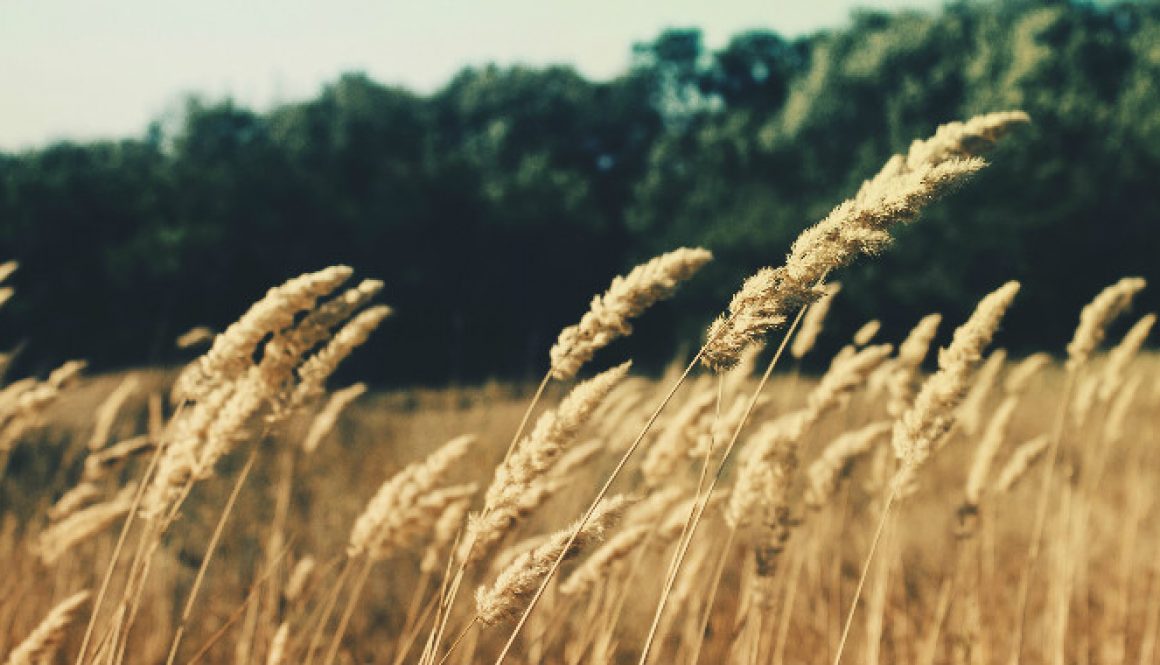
933	596
906	505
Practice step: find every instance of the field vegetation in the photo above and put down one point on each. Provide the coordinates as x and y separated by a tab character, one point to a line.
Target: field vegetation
923	499
517	185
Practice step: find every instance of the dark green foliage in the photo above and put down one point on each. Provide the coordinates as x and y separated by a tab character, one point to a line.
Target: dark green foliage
496	207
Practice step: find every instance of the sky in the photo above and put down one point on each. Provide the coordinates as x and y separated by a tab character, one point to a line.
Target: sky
106	68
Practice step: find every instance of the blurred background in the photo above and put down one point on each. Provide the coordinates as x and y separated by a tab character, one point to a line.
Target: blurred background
498	163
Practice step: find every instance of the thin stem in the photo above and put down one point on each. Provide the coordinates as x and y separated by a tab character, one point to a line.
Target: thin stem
787	607
210	550
135	603
241	608
326	609
462	634
416	603
445	589
283	495
682	541
355	592
1040	518
701	505
711	596
621	597
929	648
865	572
528	414
448	594
409	636
111	568
595	502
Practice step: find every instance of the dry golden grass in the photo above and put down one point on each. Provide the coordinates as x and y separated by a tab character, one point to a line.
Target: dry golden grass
253	519
1113	612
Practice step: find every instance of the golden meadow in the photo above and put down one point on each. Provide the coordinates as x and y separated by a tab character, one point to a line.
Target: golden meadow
909	505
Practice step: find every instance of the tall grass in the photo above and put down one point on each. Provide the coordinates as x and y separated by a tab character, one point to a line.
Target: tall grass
718	514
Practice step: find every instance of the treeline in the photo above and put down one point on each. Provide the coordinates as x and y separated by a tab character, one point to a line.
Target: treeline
495	207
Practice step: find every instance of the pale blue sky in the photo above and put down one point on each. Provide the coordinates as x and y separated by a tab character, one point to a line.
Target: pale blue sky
104	68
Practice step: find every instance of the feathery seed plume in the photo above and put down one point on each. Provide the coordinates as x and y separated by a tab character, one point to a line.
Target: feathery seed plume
596	568
812	322
1114	429
677	437
764	477
228	427
519	485
387	519
933	414
7	268
771	456
845	375
324	422
860	225
226	388
757	308
553	432
23	402
963	139
313	373
627	297
1121	356
1022	374
82	525
911	353
286	350
106	413
513	589
773	533
1085	398
84	494
1097	315
277	653
866	333
185	436
446	528
42	644
415	525
993	438
1021	460
299	577
836	459
12	395
971	412
63	376
99	464
232	352
197	336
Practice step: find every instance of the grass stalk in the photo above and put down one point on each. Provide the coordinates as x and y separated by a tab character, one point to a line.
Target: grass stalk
701	505
596	502
211	549
1040	523
878	531
107	577
352	599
